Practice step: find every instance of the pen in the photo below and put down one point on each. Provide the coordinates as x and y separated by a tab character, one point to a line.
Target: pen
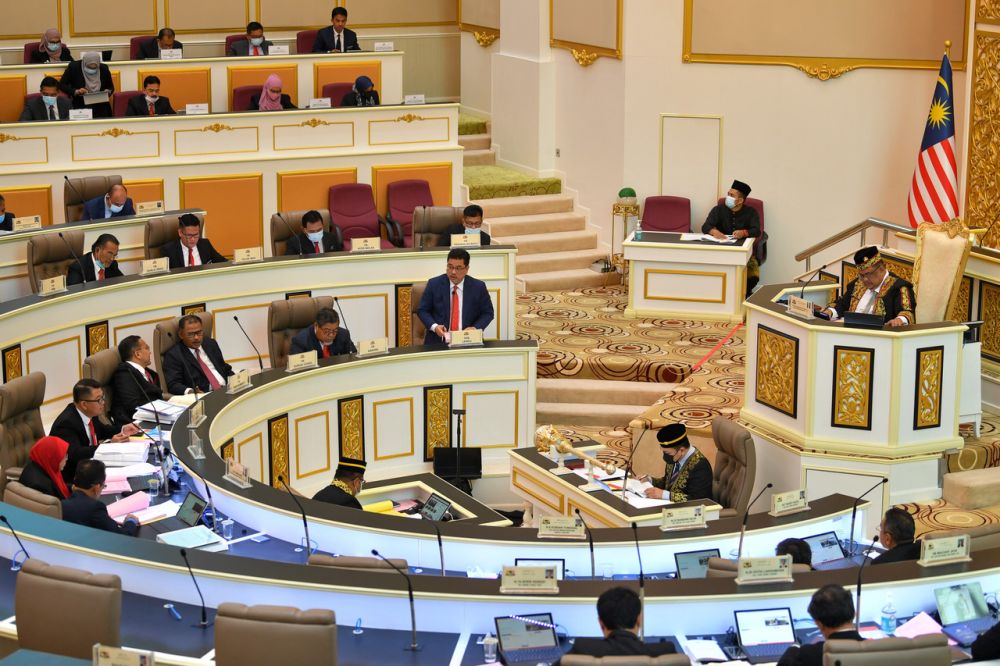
173	611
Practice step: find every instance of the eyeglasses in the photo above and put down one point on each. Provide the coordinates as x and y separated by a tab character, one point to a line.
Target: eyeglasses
101	399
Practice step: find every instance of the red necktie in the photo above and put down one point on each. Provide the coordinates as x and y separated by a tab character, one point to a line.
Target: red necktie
149	376
326	351
152	112
316	247
100	274
93	432
209	375
455	321
256	51
190	256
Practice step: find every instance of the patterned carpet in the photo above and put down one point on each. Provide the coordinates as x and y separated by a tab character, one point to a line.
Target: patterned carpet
982	452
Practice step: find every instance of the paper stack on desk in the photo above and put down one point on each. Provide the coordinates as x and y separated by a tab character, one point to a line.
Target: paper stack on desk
198	536
130	471
168	411
120	454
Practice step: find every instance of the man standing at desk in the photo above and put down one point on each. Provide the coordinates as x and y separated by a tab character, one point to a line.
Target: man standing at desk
116	203
876	291
454	301
336	38
195	359
325	337
347	483
688	473
734	218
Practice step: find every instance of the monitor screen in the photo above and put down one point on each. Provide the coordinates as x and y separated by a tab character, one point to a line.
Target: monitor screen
560	565
763	627
461	463
694	564
521	632
825	548
960	603
435	507
191	509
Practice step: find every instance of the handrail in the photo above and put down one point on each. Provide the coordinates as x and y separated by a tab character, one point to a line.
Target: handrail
860	227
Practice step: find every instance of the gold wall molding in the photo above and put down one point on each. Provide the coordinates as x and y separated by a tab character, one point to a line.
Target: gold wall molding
586	54
115	132
217	127
927	394
97	337
437	419
404	315
4	138
277	446
853	379
777	371
982	185
409	118
484	35
299	474
989	312
583	57
485	38
11	363
352	427
824	71
392	401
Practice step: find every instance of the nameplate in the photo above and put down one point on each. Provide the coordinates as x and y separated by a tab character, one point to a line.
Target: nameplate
759	570
366	244
237	474
195	447
99	97
248	255
239	382
373	347
561	527
800	307
196	109
81	114
197	414
414	99
303	361
277	49
465	240
154	266
783	504
944	550
529	580
111	656
383	47
320	103
682	518
473	338
52	285
149	208
27	223
171	54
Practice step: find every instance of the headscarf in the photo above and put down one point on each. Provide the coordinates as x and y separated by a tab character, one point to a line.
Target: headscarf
92	82
361	86
268	100
47	453
43	44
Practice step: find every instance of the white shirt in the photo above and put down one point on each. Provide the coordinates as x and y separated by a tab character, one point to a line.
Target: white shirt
86	424
197	257
342	36
142	370
461	293
97	269
204	357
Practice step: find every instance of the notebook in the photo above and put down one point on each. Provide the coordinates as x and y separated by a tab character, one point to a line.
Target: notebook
825	548
694	564
526	640
963	611
765	634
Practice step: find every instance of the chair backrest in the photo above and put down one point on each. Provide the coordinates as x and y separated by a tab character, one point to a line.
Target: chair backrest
17	494
719	567
274	635
121	100
231	39
135	44
926	650
356	563
85	607
403	197
160	231
629	660
304	40
77	191
944	250
48	256
281	232
242	95
20	418
165	337
417	328
337	91
429	222
287	317
29	48
352	208
667	213
735	464
101	368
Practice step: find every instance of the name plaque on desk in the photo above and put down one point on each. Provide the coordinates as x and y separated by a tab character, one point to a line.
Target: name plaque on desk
154	266
239	382
366	244
171	54
278	49
237	474
149	208
197	414
320	103
674	519
81	114
465	240
414	99
303	361
27	223
384	47
784	504
800	307
561	527
248	255
373	347
473	338
760	570
529	580
944	550
196	109
105	655
52	285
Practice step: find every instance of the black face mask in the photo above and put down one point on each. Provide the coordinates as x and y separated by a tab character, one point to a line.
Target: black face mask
667	459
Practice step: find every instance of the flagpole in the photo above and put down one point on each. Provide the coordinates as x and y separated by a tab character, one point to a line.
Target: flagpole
947	47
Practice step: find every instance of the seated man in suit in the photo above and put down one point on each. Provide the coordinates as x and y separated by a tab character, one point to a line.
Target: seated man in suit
50	106
134	382
195	363
190	249
896	534
472	223
98	264
165	40
876	291
150	104
619	613
84	505
832	609
326	337
6	217
454	301
81	425
253	45
336	38
688	473
347	483
116	203
362	93
313	239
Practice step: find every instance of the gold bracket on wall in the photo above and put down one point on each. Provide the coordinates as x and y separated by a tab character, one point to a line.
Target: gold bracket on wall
583	57
485	38
824	71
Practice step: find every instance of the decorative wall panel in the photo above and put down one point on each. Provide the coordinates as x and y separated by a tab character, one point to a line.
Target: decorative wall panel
982	188
989	312
277	446
777	371
853	378
352	427
437	419
927	393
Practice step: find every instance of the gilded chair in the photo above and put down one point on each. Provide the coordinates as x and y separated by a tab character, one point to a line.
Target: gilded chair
944	250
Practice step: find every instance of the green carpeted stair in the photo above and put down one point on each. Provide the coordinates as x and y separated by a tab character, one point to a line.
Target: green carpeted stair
490	182
470	124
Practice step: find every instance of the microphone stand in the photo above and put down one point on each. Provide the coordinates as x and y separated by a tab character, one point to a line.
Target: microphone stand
343	319
746	515
642	582
414	647
305	523
854	515
857	617
83	273
590	539
156	415
292	234
204	624
14	564
437	530
628	466
260	359
802	292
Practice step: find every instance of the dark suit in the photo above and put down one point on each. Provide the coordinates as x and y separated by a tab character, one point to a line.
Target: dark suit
94	209
435	305
132	389
180	367
72	80
40	57
334	495
987	646
35	478
901	553
444	240
7	223
36	109
895	298
89	275
693	481
177	254
84	510
138	106
325	40
620	642
812	654
242	49
351	99
328	244
306	340
286	102
150	49
69	426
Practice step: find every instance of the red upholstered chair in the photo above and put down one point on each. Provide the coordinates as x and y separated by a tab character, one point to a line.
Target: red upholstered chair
667	214
233	38
759	245
336	92
242	95
121	101
304	41
403	196
352	208
29	48
135	43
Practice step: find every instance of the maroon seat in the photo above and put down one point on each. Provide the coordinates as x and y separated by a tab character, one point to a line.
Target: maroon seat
352	208
336	92
242	95
122	99
759	245
304	41
402	197
667	213
135	44
29	48
231	39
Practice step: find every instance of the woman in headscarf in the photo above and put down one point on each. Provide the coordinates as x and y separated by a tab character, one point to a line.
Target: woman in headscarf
363	93
44	471
88	75
51	49
271	98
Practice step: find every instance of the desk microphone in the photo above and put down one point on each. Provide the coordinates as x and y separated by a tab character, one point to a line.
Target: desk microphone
642	581
343	320
71	186
414	647
818	271
260	359
746	515
857	610
291	234
437	530
590	538
854	514
204	624
305	523
628	466
83	273
14	564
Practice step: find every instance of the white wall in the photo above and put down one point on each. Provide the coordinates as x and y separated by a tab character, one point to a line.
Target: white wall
475	76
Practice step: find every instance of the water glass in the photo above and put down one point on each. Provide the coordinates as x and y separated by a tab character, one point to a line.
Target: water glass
227	529
154	487
489	649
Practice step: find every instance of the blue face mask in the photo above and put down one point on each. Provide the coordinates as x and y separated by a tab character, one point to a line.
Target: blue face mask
730	202
49	101
92	69
115	208
256	41
315	237
100	264
53	47
472	231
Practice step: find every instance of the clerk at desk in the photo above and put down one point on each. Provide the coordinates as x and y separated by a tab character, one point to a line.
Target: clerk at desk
688	473
347	483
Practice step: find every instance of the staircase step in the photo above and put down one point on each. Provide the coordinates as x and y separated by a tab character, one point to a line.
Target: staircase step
534	205
586	413
518	225
475	141
479	157
561	241
564	280
598	391
556	261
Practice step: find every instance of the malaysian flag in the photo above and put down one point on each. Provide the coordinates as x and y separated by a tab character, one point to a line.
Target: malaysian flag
934	189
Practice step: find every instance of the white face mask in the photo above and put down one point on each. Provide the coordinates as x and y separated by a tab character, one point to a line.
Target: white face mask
151	100
730	202
256	41
472	231
315	236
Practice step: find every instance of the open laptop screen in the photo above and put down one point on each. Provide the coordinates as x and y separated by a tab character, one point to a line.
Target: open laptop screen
521	632
435	507
825	548
960	603
191	509
694	564
762	627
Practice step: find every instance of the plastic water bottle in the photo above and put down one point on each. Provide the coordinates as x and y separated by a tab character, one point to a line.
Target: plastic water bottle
888	616
637	234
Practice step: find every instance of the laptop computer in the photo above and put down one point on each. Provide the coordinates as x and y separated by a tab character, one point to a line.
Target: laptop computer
527	640
188	515
825	548
964	613
764	635
863	320
559	564
694	563
434	508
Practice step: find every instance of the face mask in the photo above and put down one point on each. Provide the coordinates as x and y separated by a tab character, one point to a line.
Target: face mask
730	202
115	208
99	263
315	237
151	100
257	41
49	101
273	96
472	231
54	47
92	69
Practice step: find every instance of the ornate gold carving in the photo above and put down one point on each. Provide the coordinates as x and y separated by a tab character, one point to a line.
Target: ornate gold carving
97	337
12	363
352	428
485	38
824	71
115	132
278	444
583	57
4	138
437	426
193	309
852	386
409	118
226	450
217	127
404	316
625	209
777	370
927	405
989	312
961	308
983	188
314	123
988	11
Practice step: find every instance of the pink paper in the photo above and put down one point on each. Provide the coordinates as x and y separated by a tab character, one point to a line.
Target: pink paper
131	504
115	486
919	625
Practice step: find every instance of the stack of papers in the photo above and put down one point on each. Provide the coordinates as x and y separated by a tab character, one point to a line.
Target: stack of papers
120	454
599	474
167	410
703	651
198	536
706	237
131	471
